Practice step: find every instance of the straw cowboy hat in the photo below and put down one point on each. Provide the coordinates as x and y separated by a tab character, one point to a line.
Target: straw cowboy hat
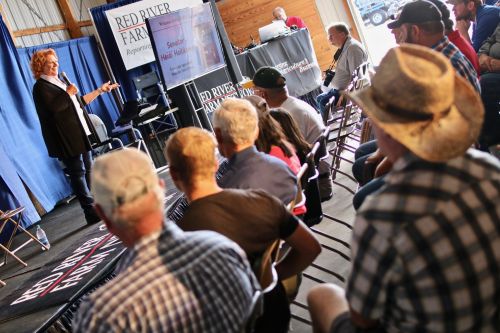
417	98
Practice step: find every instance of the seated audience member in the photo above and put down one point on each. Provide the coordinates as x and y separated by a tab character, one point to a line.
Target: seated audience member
489	60
420	23
236	128
270	84
162	284
454	35
290	21
251	218
485	19
425	247
272	141
350	55
292	132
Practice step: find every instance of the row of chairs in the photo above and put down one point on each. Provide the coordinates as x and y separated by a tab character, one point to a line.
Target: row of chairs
344	125
347	124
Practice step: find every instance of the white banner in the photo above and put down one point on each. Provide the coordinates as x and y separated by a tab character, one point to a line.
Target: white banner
128	24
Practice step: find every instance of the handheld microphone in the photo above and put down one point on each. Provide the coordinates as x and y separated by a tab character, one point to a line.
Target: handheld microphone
65	78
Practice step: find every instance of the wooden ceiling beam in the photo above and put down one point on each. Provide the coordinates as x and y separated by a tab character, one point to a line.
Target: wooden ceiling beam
55	27
69	18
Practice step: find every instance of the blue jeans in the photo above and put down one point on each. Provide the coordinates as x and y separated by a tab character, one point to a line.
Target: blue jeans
368	189
324	98
359	168
78	170
490	94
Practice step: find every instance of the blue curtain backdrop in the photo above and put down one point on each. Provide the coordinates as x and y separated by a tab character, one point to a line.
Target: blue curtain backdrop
81	61
23	156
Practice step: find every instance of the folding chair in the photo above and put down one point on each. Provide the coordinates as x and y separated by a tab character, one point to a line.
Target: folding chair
345	126
314	213
268	279
300	198
9	216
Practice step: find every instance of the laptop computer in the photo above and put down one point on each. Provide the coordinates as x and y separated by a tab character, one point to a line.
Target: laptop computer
273	30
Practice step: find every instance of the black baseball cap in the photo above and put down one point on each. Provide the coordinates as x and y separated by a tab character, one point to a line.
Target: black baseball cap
269	78
419	11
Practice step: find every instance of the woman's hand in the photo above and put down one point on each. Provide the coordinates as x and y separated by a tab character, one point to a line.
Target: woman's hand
107	86
72	90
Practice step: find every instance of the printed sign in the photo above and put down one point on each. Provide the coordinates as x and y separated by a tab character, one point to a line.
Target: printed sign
128	24
186	44
61	279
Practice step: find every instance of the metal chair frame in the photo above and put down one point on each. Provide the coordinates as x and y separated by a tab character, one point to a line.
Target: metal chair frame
9	216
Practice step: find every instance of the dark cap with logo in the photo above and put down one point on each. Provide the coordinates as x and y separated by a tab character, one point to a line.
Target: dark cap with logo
416	12
269	78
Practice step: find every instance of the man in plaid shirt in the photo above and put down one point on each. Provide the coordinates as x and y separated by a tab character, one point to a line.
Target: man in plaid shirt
169	280
426	246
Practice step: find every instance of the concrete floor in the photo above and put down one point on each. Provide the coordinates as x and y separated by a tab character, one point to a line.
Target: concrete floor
339	207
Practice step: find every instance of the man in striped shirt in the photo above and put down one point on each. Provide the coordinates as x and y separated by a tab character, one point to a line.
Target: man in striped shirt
426	246
169	280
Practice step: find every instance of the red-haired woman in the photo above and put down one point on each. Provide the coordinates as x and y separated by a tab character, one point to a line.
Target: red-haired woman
63	124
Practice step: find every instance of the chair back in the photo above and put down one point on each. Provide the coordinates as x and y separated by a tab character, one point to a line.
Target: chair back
314	213
322	152
300	198
256	310
148	87
266	273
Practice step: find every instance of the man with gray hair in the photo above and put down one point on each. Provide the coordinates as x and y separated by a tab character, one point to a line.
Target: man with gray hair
236	129
253	219
349	55
168	280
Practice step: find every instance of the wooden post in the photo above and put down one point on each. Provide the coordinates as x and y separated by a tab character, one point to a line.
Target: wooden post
73	26
4	18
352	24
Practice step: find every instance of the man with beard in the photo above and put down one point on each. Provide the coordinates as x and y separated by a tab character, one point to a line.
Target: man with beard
485	18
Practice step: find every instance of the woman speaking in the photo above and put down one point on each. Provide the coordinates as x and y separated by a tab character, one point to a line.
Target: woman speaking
64	128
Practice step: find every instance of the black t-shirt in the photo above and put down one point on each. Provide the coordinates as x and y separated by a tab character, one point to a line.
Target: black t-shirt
251	218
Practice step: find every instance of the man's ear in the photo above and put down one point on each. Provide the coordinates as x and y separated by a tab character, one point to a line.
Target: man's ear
256	135
216	165
103	216
218	135
174	174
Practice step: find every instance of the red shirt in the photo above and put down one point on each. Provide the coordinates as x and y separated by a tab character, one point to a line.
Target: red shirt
293	163
295	20
466	48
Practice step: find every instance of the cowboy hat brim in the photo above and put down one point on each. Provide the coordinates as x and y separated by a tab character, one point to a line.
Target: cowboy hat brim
438	139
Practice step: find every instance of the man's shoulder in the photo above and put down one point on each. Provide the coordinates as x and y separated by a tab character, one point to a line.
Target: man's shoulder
263	160
292	104
487	11
355	44
423	188
246	194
